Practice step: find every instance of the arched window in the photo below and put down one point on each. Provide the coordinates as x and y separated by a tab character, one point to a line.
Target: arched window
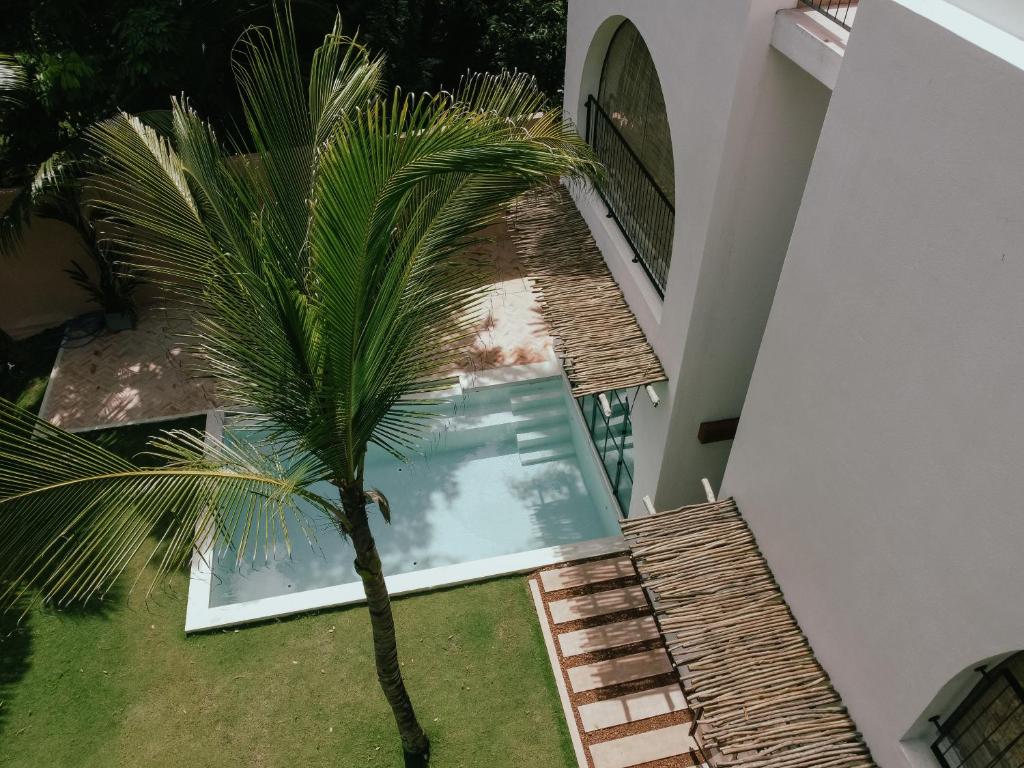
986	729
630	93
627	126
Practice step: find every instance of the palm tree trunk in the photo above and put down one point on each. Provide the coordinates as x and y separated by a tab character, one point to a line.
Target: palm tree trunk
415	743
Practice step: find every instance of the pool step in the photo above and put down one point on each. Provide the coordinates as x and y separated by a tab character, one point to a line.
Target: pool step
546	398
599	439
546	453
542	437
525	421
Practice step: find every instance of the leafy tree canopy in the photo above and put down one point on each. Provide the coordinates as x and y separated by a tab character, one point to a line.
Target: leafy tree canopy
86	59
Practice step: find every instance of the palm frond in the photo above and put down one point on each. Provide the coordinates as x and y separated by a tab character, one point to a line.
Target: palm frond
289	120
145	184
13	79
405	186
321	266
73	515
45	193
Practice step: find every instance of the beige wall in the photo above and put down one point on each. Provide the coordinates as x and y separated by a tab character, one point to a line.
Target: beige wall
35	292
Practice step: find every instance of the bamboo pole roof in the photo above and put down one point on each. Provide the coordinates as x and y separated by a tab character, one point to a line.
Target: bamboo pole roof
759	695
595	333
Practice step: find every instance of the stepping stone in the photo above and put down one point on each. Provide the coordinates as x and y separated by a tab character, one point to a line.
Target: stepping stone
644	747
607	636
597	604
632	707
623	669
594	572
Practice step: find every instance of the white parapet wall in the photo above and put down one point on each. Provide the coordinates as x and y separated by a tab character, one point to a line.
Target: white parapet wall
879	452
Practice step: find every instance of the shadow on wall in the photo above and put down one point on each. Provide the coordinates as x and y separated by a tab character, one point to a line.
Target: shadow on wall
36	292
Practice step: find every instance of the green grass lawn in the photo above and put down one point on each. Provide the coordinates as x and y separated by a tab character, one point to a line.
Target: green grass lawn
33	358
119	684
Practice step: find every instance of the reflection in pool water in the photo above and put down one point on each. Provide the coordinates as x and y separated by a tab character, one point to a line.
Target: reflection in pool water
509	471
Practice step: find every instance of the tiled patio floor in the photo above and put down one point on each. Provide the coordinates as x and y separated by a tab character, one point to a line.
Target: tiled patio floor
147	374
513	331
120	378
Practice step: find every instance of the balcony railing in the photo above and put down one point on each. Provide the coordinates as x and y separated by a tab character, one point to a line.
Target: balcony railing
639	206
838	11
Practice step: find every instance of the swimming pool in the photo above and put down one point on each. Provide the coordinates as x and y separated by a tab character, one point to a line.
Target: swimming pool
506	481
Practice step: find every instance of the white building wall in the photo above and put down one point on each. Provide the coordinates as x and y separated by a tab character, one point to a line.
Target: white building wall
880	450
744	121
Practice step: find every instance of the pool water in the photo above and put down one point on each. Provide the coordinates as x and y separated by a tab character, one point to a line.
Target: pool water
509	469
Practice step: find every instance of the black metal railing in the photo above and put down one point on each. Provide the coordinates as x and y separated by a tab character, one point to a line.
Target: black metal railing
987	729
838	11
638	204
612	435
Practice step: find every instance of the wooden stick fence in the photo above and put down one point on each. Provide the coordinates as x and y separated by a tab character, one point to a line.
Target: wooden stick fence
595	332
761	697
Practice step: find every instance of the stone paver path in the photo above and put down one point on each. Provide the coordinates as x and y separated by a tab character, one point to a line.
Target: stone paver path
597	604
587	574
607	636
642	747
632	707
621	669
621	691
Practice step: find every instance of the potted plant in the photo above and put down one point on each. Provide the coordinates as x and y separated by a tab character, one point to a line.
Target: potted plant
112	289
112	283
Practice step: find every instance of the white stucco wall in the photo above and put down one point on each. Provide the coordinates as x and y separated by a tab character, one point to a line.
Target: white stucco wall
880	448
1006	14
744	122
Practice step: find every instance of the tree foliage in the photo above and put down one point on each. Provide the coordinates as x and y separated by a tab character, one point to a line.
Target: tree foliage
87	59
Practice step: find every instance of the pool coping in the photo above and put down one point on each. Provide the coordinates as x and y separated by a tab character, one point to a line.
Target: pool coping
200	616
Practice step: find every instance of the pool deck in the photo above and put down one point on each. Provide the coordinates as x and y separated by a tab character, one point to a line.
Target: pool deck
148	374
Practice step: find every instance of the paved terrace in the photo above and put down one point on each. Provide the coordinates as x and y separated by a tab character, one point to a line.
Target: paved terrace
148	373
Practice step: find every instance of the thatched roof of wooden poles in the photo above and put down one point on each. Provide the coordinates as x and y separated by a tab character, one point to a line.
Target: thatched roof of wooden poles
595	333
760	697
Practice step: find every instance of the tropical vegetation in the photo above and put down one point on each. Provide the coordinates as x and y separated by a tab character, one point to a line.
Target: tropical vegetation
115	684
320	270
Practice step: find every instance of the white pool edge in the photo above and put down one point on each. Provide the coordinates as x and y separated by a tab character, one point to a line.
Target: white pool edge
201	616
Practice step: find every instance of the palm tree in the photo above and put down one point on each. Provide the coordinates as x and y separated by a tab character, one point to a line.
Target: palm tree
320	272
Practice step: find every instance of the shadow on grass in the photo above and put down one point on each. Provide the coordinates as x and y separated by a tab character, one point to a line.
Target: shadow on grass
132	442
15	655
16	635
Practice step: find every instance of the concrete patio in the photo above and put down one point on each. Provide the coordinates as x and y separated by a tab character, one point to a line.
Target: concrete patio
148	374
